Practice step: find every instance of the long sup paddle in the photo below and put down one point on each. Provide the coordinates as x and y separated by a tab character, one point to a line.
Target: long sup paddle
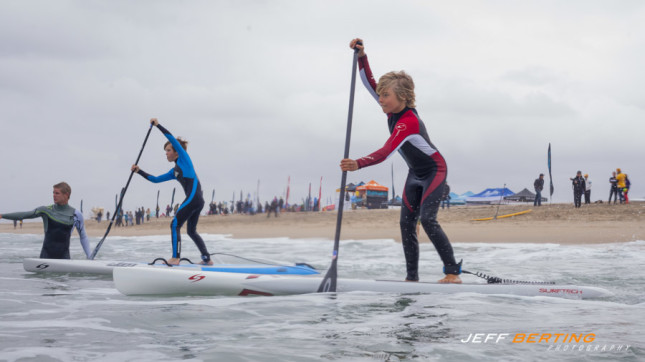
98	246
328	283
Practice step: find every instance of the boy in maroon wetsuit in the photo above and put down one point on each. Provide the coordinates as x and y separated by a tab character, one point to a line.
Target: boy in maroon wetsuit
428	171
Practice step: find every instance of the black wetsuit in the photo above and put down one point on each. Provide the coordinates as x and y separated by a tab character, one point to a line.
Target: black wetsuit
614	189
188	211
578	189
424	187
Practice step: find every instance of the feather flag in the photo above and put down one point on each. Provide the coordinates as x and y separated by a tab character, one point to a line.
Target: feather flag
286	201
320	195
550	178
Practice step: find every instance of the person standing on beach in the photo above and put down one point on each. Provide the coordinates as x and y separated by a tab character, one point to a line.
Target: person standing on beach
184	172
620	181
578	184
614	188
445	199
273	207
587	189
428	171
626	189
59	220
538	185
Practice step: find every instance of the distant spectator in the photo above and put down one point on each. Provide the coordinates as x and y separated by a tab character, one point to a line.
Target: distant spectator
587	189
626	189
578	184
273	207
538	185
445	200
620	177
613	182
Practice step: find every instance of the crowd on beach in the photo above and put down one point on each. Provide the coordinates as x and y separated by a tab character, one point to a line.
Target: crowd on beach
248	207
275	207
619	188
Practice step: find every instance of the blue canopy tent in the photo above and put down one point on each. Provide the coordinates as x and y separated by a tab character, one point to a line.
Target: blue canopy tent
489	196
457	199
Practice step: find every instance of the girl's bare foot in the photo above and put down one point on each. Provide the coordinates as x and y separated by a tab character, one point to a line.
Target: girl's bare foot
173	261
451	278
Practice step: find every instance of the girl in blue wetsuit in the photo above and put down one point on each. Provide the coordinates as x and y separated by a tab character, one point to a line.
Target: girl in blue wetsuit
188	211
426	180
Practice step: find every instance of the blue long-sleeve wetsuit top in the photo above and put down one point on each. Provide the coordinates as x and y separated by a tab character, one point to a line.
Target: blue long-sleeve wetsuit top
184	172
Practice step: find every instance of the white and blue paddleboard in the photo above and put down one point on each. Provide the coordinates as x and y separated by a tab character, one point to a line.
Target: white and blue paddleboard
147	281
221	263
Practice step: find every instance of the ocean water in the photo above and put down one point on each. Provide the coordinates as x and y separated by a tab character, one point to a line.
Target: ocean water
84	318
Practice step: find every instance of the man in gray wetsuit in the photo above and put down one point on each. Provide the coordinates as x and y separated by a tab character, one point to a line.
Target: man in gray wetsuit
59	220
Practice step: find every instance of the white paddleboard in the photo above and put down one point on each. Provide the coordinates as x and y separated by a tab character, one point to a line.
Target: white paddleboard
227	263
146	281
37	265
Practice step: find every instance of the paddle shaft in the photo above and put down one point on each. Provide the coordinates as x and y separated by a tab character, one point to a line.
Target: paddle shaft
172	201
328	283
500	201
118	207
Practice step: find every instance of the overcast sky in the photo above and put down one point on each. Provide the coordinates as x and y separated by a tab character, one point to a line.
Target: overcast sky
261	89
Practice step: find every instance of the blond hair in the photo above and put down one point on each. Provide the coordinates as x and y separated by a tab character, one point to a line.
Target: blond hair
64	188
402	85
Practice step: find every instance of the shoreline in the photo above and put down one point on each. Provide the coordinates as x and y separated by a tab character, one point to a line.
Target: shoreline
556	223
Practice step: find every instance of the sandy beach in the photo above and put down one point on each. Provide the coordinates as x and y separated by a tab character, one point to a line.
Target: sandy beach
557	223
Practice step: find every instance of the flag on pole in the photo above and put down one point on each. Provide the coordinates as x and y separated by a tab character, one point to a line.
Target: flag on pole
286	201
550	178
320	195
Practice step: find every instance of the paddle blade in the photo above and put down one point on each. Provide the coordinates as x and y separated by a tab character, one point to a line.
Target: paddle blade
328	284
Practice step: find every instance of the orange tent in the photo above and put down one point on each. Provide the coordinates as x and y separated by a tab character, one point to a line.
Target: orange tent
372	186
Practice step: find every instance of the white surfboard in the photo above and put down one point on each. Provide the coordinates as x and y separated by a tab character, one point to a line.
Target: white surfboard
222	262
146	281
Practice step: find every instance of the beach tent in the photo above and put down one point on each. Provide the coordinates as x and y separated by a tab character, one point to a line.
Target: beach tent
523	196
372	195
350	195
457	199
489	196
350	187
